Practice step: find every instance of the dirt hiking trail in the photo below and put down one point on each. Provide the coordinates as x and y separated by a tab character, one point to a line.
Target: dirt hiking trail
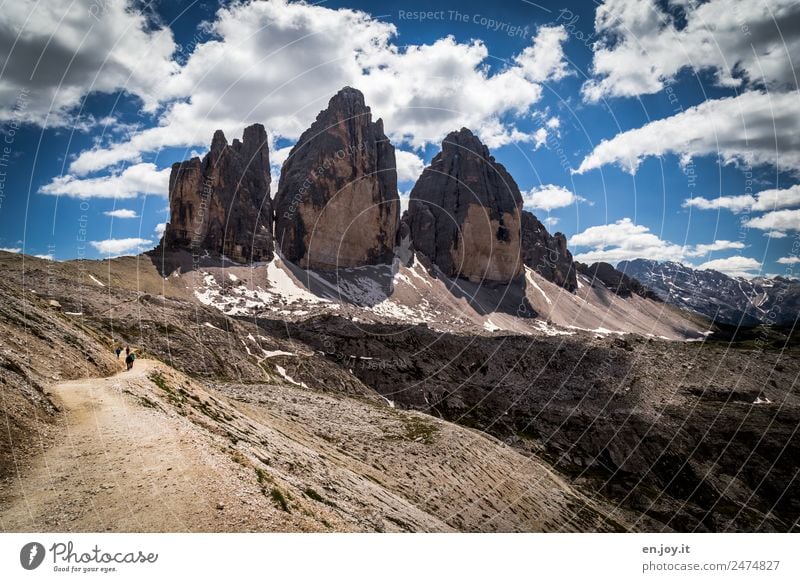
119	468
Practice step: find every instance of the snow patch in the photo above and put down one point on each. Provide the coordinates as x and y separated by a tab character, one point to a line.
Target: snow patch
275	353
489	326
529	279
96	280
282	372
284	286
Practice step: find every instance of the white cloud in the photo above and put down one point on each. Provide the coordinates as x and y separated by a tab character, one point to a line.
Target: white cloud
544	60
47	257
409	166
14	250
549	197
774	199
120	246
778	220
60	50
279	63
734	266
142	178
753	127
551	221
121	213
625	240
775	234
643	48
733	203
718	245
160	228
789	260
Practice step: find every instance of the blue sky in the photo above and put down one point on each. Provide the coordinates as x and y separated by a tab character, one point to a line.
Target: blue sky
609	116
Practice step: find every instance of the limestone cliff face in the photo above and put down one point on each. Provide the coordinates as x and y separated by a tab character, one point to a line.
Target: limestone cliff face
464	213
547	254
221	204
337	202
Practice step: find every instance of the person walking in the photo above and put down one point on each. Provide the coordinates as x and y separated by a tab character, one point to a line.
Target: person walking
129	360
118	351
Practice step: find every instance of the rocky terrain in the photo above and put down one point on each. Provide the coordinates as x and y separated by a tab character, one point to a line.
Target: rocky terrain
724	299
690	436
588	431
618	281
337	203
222	428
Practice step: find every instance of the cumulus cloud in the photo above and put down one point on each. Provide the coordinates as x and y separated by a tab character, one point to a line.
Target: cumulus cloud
774	199
789	260
544	60
160	228
551	221
733	203
278	63
778	220
549	197
775	234
142	178
15	250
121	246
734	266
625	240
122	213
643	46
59	51
718	245
754	127
409	166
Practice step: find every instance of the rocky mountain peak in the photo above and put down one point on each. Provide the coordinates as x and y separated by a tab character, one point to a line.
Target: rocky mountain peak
222	203
547	254
337	203
464	212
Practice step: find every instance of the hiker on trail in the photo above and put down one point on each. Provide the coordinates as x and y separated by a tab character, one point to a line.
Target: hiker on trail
127	351
118	351
129	360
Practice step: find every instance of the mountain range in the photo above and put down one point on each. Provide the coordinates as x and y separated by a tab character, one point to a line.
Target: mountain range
317	361
732	301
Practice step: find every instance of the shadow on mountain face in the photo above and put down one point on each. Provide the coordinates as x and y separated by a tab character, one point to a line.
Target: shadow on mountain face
487	298
370	285
361	286
685	436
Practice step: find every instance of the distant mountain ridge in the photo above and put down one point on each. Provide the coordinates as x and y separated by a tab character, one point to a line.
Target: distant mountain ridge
721	298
